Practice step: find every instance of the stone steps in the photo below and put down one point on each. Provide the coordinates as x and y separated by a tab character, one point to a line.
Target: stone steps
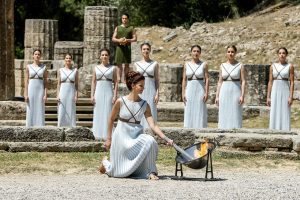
167	112
54	139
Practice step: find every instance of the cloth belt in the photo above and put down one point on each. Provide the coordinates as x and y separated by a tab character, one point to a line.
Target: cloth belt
127	121
195	79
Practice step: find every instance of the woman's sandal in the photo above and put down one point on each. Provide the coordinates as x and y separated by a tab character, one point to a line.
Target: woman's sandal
102	169
153	176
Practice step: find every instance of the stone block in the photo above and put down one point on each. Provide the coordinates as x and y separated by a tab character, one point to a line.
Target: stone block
4	146
78	134
296	144
12	110
170	92
38	134
170	73
55	147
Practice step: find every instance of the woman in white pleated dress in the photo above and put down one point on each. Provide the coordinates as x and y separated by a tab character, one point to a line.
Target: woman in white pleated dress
150	70
280	92
35	91
103	94
67	93
231	91
132	153
195	90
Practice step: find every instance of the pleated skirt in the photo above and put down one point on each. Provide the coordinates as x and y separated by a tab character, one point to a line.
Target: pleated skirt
230	111
102	108
67	105
280	113
195	111
132	153
35	109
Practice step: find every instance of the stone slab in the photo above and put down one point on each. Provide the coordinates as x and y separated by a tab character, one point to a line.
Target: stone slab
54	146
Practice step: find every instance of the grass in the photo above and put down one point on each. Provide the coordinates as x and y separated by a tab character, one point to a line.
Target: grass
87	163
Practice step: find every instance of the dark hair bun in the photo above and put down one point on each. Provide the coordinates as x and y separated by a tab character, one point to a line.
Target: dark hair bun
133	77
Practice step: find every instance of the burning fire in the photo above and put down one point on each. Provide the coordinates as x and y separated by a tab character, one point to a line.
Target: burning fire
202	151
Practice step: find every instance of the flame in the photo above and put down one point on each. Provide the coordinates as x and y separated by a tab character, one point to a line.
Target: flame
202	151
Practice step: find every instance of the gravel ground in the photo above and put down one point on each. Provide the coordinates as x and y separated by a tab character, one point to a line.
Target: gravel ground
234	184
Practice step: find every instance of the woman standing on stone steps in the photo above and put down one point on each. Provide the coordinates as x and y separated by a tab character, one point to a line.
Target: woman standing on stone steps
103	95
35	91
132	153
150	70
195	86
280	92
67	93
231	91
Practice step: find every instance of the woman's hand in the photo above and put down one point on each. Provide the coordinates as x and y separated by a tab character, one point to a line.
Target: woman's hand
93	100
107	144
290	101
156	98
217	101
170	142
26	99
205	97
45	98
268	102
113	99
241	100
184	99
75	99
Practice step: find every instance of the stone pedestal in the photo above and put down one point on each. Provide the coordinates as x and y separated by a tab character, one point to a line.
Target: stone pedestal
170	82
6	49
257	77
75	48
99	25
40	34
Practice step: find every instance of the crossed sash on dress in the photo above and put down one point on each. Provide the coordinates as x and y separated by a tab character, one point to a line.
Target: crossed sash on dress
194	72
229	73
145	70
103	75
132	115
67	80
36	73
279	74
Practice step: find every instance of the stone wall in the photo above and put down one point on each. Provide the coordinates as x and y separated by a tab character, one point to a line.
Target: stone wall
99	24
40	34
75	48
7	49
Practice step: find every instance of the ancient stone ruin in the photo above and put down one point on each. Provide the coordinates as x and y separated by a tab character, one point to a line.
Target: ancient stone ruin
7	49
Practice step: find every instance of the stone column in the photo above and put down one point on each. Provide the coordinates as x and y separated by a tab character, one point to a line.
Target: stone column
7	49
99	25
40	34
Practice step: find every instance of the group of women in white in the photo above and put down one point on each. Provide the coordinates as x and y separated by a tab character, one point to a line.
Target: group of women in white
231	91
132	152
195	90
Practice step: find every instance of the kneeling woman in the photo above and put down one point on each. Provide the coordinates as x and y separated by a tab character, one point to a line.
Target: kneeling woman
133	153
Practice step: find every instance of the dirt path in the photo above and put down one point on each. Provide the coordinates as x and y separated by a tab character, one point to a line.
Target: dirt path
235	184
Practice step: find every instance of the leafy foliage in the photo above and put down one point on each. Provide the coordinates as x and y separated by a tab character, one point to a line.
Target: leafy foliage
169	13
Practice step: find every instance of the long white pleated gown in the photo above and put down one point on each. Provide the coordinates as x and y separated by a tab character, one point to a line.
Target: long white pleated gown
132	153
280	113
148	71
230	111
35	110
195	111
103	100
67	104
